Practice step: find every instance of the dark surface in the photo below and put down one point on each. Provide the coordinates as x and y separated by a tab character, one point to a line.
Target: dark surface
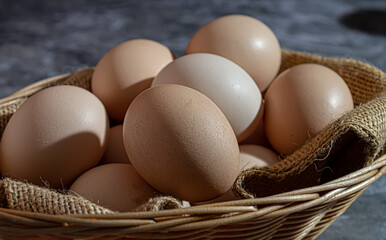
39	39
366	20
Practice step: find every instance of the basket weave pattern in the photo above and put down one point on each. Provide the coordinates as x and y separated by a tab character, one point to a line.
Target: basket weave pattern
292	214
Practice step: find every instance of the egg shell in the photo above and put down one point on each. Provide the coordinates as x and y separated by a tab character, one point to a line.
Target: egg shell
246	41
302	101
252	155
224	82
125	71
56	135
116	186
228	196
258	136
115	151
181	143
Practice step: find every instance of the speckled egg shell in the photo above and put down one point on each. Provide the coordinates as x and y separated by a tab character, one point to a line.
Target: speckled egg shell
181	143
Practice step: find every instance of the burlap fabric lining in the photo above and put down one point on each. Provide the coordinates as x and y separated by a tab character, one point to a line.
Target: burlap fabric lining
344	146
23	196
26	197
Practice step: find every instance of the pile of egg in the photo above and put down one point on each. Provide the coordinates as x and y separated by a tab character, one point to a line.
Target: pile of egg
184	127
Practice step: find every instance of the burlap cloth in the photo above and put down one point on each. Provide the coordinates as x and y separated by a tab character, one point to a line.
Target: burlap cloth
346	145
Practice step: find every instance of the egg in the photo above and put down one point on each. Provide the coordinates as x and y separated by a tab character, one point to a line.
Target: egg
115	151
56	135
246	41
252	155
228	196
302	101
125	71
224	82
116	186
258	136
181	143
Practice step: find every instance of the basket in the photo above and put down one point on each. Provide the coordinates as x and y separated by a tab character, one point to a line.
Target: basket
298	214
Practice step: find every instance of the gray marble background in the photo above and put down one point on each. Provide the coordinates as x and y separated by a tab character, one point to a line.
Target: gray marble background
43	38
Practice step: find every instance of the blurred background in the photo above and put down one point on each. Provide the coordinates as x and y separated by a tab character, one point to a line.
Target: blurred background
43	38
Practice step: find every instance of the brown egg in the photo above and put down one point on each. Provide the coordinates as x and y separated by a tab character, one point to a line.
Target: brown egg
250	156
258	136
181	143
301	102
224	82
115	151
125	71
116	186
244	40
55	136
228	196
256	156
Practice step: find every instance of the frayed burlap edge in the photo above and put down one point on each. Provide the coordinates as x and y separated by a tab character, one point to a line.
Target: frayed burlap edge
160	203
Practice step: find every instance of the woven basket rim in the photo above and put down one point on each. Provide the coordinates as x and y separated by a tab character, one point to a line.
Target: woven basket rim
369	173
197	218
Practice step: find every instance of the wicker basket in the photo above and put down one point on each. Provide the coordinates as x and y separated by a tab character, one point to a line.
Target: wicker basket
300	214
